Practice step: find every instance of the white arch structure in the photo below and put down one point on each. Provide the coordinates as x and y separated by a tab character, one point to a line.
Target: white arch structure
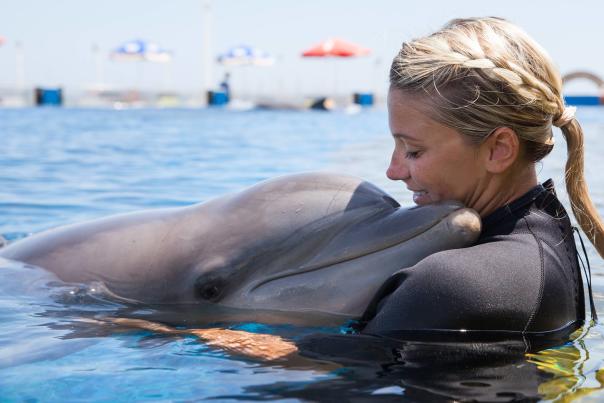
594	78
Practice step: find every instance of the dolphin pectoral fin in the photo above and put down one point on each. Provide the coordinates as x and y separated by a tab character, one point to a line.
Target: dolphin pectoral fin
376	231
360	258
379	232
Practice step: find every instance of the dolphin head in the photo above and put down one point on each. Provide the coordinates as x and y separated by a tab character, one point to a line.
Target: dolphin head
320	242
305	242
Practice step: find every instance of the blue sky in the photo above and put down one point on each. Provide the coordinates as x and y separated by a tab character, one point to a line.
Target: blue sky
57	38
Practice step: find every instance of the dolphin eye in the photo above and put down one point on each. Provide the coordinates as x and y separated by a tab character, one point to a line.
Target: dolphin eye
209	290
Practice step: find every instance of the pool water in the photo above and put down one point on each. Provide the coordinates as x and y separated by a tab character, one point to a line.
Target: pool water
60	166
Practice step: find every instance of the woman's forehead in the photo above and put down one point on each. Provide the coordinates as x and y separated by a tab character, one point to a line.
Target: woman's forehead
410	120
400	100
407	115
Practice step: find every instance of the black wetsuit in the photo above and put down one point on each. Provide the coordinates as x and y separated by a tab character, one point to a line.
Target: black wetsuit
521	276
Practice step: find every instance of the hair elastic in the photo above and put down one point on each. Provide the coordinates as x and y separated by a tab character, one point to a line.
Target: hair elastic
567	115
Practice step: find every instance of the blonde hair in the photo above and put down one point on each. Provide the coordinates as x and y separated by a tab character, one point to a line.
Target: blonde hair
479	74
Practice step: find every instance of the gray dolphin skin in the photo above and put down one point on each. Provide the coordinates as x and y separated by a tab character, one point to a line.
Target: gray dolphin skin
305	242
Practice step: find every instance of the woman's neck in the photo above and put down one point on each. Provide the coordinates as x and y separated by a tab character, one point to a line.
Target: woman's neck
500	190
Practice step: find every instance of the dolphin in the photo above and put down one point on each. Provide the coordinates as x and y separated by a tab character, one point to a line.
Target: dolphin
314	242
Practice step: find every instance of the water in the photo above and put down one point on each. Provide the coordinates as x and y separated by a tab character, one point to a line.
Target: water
59	166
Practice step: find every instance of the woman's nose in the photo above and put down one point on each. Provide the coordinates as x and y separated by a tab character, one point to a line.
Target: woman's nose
398	169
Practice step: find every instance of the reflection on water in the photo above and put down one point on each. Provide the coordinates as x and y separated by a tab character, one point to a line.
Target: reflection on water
575	372
60	166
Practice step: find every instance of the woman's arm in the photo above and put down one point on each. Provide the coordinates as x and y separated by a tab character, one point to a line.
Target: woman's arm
259	346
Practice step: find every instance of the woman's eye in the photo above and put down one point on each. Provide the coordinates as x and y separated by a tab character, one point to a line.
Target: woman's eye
412	154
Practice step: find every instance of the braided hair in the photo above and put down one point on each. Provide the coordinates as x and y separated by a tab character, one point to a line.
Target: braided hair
478	74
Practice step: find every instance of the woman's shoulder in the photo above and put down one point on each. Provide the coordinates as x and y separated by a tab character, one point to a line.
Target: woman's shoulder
498	256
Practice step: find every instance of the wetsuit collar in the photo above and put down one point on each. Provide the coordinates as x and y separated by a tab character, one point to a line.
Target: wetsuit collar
510	209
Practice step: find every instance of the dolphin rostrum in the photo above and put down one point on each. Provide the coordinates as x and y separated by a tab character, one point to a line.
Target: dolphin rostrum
306	242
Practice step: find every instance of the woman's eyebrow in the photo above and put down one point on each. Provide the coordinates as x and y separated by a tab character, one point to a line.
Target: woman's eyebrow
404	136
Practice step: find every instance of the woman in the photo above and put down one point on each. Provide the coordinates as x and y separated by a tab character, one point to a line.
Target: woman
471	110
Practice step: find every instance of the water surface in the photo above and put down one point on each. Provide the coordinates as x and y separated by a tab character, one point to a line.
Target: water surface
67	165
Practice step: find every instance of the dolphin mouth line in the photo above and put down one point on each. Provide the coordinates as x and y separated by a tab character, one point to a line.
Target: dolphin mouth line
343	260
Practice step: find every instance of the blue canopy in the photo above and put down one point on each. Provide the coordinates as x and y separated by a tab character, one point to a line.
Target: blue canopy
141	50
245	55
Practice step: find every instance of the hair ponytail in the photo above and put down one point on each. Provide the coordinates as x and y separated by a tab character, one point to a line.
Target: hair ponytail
583	208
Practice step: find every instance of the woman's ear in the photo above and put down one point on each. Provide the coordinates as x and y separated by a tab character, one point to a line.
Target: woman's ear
501	149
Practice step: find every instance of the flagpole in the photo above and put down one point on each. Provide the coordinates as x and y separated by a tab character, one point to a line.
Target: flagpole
206	51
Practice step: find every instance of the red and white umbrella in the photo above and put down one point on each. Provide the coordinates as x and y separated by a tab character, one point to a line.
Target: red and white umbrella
334	47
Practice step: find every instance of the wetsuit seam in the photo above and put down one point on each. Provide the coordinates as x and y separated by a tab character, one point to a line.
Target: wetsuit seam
541	281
